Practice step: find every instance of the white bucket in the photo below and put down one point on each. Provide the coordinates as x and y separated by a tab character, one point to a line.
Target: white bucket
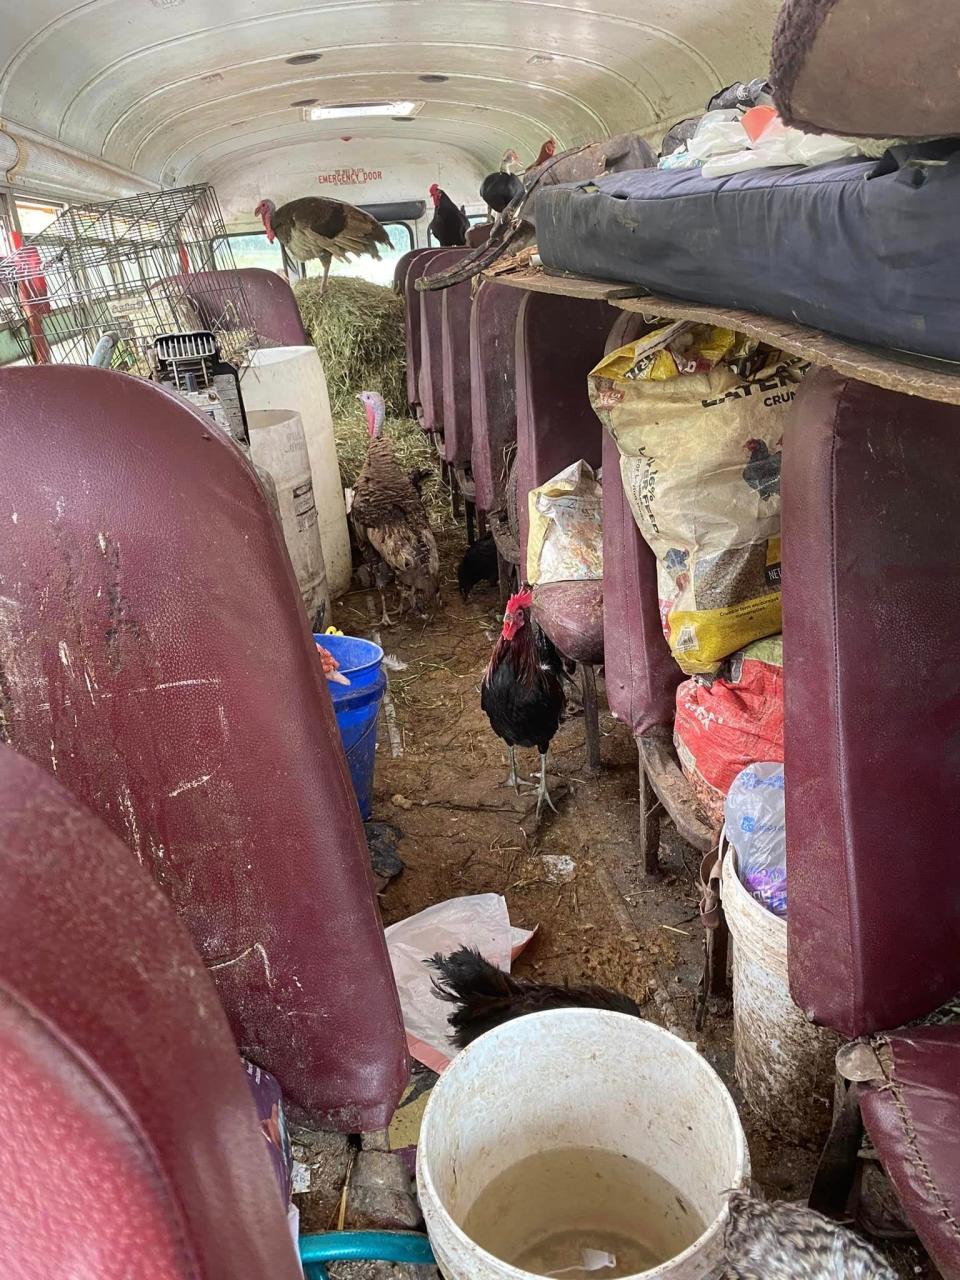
277	445
578	1078
293	378
785	1065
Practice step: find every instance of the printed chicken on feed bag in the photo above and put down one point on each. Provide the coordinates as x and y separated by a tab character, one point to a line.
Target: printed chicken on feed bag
697	413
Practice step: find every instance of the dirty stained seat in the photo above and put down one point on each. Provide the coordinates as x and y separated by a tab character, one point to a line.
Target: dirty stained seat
871	604
402	267
559	340
420	260
131	1146
431	346
156	657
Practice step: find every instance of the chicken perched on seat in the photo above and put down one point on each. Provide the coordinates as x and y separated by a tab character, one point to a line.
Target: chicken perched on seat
486	997
390	522
318	227
523	689
449	225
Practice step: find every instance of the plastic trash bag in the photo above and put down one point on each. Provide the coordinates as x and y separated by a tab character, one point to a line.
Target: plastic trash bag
565	538
480	921
776	147
756	827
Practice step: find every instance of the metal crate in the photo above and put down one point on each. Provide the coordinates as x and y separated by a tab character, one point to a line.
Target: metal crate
151	264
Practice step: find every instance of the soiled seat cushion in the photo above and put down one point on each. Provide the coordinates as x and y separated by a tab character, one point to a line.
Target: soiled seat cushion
455	308
156	657
430	376
131	1148
871	639
913	1117
419	262
571	613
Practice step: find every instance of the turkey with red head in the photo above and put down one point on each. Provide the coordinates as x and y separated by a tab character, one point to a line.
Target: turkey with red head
321	228
523	689
450	225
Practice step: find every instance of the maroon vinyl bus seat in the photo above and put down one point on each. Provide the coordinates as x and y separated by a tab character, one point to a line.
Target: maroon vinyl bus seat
493	389
431	345
559	340
455	307
419	262
479	234
269	298
156	656
871	602
640	674
402	267
131	1146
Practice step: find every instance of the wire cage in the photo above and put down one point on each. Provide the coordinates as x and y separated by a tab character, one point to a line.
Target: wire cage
130	269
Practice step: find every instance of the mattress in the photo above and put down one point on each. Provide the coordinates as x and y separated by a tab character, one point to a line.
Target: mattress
864	249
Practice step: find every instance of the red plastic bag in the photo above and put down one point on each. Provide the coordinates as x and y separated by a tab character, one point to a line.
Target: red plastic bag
731	721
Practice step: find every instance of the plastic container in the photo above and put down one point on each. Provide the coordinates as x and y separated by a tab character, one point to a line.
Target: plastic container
785	1065
578	1078
277	444
293	378
356	707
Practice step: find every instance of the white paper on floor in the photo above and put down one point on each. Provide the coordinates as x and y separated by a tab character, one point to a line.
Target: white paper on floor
480	921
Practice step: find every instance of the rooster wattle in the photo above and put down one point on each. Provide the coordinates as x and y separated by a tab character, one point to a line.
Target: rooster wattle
522	690
321	228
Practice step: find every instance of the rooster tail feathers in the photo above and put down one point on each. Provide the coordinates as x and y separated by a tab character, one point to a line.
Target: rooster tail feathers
464	974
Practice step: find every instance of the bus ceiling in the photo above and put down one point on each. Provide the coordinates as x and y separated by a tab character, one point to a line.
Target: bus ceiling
109	97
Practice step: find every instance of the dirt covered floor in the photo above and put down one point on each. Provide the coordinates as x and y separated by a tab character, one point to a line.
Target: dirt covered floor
464	833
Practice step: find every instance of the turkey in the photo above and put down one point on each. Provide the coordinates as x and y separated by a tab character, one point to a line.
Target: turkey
390	522
318	227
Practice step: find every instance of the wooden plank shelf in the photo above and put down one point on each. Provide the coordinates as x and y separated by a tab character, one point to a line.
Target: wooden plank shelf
901	371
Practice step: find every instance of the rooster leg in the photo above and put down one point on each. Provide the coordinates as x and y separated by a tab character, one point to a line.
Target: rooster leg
513	778
543	794
385	620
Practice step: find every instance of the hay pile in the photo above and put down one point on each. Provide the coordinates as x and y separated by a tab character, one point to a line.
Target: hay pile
412	448
358	328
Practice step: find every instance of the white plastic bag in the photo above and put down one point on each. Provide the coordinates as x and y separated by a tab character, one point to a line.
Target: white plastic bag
480	921
565	538
756	827
779	146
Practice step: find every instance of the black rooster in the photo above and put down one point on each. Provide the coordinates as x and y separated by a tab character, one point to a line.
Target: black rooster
762	472
522	690
479	564
450	225
498	189
486	997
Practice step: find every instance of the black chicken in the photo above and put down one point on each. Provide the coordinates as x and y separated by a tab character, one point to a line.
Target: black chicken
762	472
498	189
450	225
522	689
486	997
479	564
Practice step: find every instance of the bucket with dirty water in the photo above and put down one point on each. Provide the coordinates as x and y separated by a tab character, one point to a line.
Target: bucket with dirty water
579	1144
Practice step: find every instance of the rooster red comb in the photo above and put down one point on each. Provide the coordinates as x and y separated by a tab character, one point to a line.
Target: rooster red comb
522	600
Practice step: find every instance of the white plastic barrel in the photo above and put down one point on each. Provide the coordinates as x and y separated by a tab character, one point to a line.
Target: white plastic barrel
578	1078
293	378
278	446
785	1066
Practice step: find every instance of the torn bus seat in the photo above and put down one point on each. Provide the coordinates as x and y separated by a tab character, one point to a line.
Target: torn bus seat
420	259
871	630
156	657
640	674
132	1149
559	340
431	346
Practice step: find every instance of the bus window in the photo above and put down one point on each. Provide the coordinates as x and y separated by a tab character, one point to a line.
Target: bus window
35	216
401	242
253	250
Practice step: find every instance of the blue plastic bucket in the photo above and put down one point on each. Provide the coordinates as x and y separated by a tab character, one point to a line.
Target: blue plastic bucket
356	706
